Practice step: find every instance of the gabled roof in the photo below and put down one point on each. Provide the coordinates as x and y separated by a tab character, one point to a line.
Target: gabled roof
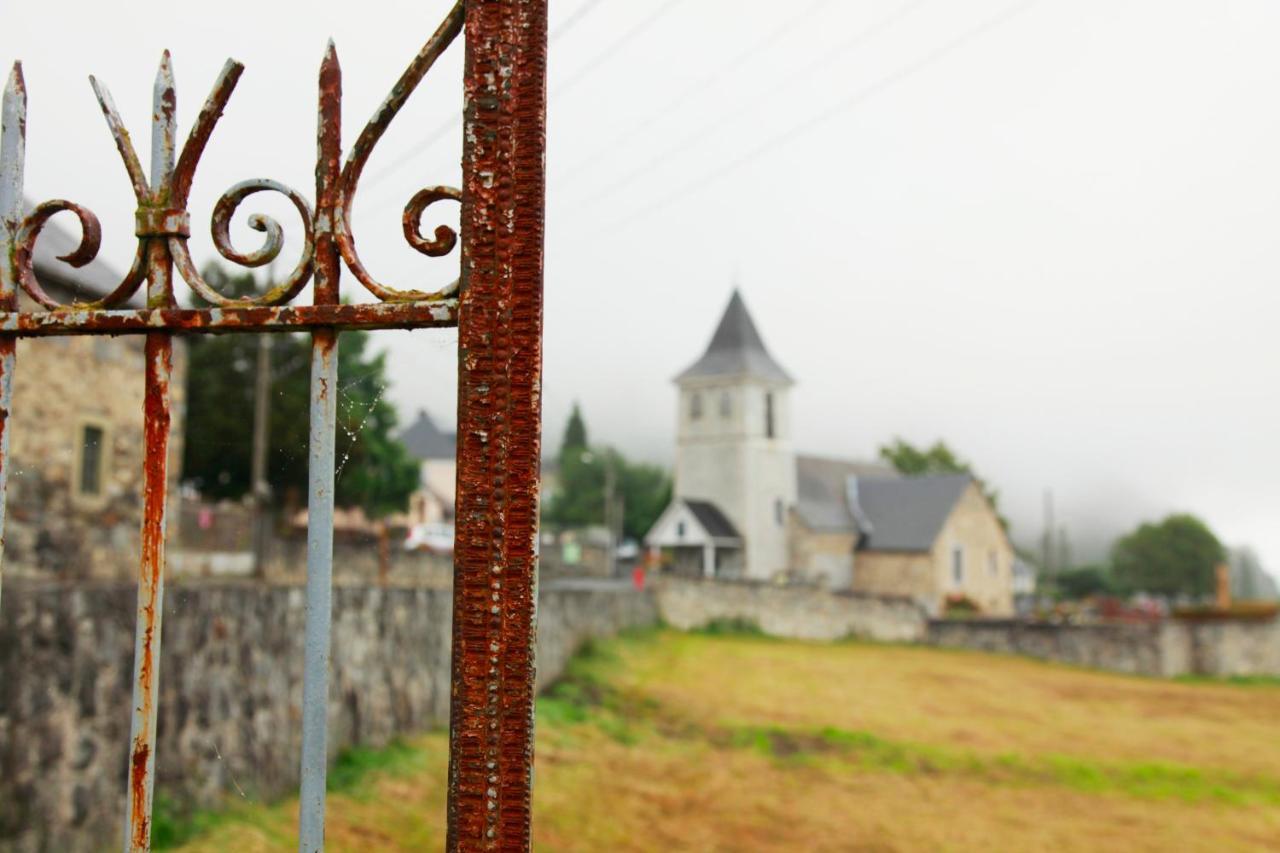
425	440
736	349
907	513
822	491
712	519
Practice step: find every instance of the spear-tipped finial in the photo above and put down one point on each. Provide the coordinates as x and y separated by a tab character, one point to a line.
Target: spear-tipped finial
13	143
164	125
17	86
330	69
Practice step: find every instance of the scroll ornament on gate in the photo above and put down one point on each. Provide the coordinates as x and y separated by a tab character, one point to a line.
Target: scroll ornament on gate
163	222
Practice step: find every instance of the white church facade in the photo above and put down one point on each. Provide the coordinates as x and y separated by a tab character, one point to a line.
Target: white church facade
745	505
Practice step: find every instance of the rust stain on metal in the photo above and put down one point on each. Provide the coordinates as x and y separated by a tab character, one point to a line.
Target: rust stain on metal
328	172
500	363
364	315
140	818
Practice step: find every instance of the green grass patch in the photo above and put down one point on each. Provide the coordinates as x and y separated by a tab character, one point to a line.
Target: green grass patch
352	772
1232	680
730	627
1148	780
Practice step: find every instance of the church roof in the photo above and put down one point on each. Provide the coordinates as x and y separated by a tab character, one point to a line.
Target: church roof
822	494
907	513
425	440
736	349
712	519
890	511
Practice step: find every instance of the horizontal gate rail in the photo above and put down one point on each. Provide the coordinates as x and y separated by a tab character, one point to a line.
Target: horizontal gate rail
496	303
272	318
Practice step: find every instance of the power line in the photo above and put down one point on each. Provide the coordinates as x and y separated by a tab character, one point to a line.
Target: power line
701	131
857	98
612	50
454	121
673	104
570	22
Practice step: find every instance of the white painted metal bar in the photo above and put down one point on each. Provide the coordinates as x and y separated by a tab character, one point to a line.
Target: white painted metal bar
315	684
13	121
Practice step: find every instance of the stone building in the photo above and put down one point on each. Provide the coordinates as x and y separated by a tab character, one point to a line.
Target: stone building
76	446
746	505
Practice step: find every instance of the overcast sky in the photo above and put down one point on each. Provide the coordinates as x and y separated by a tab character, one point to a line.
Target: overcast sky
1046	232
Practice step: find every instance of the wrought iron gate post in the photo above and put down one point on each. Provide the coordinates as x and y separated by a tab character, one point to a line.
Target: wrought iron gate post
499	423
496	304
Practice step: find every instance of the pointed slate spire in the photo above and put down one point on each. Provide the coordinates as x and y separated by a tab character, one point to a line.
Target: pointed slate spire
736	349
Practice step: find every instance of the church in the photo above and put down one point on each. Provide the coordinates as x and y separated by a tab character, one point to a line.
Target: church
747	506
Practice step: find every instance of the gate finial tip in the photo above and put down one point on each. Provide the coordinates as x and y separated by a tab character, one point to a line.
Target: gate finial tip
15	78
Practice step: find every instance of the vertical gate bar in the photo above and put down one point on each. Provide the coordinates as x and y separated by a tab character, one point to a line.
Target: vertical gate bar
13	121
315	683
499	421
324	417
156	421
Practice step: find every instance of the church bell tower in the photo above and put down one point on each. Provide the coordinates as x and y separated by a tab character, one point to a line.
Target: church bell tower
733	439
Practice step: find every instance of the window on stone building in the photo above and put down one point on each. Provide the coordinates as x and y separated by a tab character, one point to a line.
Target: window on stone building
726	404
92	454
768	414
993	563
695	406
957	565
777	510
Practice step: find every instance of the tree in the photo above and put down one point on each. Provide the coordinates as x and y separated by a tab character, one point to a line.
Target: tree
645	489
575	434
1176	556
911	461
1082	582
373	471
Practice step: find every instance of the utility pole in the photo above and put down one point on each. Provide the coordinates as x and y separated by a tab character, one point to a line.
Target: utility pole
261	431
609	487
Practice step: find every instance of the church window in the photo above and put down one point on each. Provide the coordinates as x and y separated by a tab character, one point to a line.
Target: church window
695	406
957	565
726	404
679	529
993	564
777	510
768	414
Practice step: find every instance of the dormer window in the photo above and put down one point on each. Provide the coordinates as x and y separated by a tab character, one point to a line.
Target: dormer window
695	406
768	414
726	404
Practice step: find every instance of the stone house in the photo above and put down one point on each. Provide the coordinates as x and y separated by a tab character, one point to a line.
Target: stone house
930	537
74	505
746	505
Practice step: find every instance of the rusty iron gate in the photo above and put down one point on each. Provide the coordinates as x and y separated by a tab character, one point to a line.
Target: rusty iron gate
496	305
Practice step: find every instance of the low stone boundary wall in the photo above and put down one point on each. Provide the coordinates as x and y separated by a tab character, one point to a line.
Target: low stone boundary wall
800	612
231	689
1219	648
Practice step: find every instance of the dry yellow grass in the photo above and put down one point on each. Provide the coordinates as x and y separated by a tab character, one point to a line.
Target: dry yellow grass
710	743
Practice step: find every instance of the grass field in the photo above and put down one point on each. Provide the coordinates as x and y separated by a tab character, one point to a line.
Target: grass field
669	741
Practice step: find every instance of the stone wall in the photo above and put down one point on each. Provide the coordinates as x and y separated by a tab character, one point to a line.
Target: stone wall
802	612
230	676
1220	648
